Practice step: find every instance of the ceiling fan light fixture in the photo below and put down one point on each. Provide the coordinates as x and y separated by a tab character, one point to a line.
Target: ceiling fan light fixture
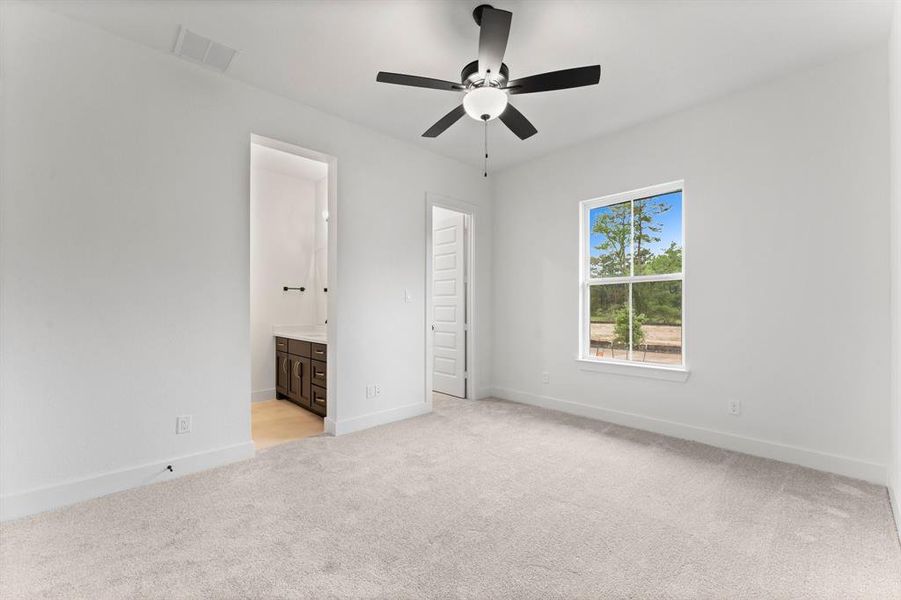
482	102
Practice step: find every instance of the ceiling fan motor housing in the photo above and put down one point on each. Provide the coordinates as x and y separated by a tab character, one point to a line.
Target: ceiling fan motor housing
470	76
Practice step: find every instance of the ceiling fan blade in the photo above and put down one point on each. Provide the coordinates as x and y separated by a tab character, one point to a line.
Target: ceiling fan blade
517	122
493	34
445	122
417	81
555	80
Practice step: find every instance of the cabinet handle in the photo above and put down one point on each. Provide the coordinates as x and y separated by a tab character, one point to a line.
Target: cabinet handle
318	373
284	365
296	366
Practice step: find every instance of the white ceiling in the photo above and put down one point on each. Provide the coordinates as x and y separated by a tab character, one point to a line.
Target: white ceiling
278	161
656	57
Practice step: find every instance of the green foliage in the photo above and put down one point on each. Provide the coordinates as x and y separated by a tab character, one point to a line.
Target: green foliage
660	301
627	226
646	228
615	224
621	328
629	232
606	300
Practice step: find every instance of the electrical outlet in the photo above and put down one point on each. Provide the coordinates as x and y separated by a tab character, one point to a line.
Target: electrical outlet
378	390
545	377
183	424
734	407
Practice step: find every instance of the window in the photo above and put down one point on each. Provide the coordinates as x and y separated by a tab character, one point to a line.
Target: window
632	277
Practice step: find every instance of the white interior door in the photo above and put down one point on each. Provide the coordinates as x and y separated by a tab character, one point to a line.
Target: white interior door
449	302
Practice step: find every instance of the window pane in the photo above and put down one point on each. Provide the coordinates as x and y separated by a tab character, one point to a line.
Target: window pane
611	235
609	321
658	234
657	322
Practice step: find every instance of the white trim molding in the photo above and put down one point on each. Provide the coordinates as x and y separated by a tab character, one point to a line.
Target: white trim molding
474	331
634	369
895	503
29	502
331	327
586	281
382	417
822	461
262	395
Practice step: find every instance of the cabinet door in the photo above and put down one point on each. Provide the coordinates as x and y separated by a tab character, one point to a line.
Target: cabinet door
305	382
282	372
299	382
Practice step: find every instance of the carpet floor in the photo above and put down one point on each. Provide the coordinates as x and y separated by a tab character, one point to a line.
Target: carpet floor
477	500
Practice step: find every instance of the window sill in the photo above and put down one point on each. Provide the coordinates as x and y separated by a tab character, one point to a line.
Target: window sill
679	374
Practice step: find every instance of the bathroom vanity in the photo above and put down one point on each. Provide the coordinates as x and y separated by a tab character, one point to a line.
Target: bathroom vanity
301	369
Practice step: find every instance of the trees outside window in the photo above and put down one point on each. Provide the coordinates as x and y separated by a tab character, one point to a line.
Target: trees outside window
632	276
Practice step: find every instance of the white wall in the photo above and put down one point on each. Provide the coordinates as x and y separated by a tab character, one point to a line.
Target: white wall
320	253
787	254
282	239
124	298
895	133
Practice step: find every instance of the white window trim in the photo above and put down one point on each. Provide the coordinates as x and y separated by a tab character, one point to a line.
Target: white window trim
614	366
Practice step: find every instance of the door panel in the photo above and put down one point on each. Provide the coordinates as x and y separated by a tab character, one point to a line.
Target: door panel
300	381
449	302
282	373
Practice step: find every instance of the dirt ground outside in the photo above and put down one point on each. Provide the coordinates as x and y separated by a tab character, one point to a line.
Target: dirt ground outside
659	337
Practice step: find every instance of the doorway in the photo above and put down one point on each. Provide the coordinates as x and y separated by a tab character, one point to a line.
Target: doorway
291	255
449	299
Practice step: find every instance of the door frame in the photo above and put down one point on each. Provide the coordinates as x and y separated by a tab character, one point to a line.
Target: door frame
431	201
331	406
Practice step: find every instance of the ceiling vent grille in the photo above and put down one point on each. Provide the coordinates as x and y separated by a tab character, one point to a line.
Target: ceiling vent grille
203	51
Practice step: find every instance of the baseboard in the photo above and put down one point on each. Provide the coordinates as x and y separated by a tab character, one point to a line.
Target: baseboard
262	395
22	504
895	501
842	465
382	417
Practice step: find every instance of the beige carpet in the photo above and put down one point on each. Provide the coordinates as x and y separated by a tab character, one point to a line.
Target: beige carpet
478	500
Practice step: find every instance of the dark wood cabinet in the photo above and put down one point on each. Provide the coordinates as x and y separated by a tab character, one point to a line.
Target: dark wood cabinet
299	388
318	396
299	378
282	373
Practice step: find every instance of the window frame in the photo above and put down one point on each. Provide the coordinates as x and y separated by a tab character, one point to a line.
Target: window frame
613	365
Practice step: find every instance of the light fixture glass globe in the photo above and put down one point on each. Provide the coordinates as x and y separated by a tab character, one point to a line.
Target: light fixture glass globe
482	101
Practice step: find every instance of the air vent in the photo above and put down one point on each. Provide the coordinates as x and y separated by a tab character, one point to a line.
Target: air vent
203	51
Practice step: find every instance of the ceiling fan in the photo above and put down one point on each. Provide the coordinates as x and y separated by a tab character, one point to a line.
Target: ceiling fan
486	82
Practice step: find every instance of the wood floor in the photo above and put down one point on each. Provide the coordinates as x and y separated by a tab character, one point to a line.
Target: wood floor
278	421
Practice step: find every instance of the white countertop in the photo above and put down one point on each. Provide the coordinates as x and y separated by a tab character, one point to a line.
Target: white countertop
302	333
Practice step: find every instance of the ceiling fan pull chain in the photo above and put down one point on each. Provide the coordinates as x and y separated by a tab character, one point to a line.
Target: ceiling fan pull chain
486	148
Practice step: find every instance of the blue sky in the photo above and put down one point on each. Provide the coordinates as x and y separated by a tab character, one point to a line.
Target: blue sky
670	220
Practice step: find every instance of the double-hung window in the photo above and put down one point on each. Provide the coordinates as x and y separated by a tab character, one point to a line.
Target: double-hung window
632	277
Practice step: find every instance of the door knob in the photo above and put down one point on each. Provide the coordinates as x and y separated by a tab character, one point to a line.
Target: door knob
434	326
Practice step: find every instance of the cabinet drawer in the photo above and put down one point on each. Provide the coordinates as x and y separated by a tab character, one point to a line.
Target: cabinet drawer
319	352
318	397
299	348
317	373
281	344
